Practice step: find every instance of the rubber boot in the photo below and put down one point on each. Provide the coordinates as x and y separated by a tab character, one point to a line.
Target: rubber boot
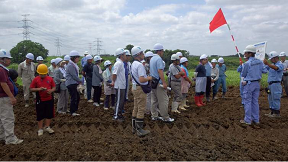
174	107
201	100
139	128
184	103
133	125
196	98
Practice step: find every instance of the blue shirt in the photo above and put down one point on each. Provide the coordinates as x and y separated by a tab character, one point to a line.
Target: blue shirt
253	69
156	63
83	61
208	69
239	69
222	70
275	75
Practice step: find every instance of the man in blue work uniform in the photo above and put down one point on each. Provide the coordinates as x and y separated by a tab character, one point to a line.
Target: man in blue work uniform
222	79
239	70
83	62
252	73
274	80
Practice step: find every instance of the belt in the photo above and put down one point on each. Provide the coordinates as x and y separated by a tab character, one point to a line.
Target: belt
274	82
255	81
175	80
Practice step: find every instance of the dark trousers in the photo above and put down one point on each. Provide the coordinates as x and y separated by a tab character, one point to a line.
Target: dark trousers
75	97
107	100
120	101
97	94
208	86
88	87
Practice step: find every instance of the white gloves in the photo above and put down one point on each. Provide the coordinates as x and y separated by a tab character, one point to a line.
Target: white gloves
80	88
63	80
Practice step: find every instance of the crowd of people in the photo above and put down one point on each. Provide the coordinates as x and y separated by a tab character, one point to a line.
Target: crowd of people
146	78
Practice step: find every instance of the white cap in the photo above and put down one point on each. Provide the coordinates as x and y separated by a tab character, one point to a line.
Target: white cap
214	61
158	47
183	59
66	58
282	54
204	56
86	53
5	54
106	63
30	56
179	54
74	53
272	54
250	48
136	50
89	57
39	58
149	54
52	61
97	58
119	51
127	52
175	57
58	60
221	60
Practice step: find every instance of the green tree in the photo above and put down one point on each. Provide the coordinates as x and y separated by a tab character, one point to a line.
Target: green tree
27	46
129	47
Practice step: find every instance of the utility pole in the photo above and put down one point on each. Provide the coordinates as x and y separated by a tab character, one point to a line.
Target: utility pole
98	41
58	45
26	27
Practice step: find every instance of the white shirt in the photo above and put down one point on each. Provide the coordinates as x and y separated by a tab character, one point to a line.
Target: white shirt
285	64
138	70
119	70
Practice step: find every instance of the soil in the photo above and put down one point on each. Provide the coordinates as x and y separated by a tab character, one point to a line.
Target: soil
212	132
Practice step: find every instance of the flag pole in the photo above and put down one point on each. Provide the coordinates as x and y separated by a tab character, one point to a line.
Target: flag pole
240	59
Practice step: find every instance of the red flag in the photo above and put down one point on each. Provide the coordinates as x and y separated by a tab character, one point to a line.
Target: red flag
217	21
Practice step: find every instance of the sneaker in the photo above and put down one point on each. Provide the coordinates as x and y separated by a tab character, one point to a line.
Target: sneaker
68	111
215	98
49	130
169	120
175	111
40	132
90	101
182	108
61	112
274	116
244	122
101	103
26	105
75	114
269	114
113	107
106	108
156	118
186	106
256	125
16	142
96	104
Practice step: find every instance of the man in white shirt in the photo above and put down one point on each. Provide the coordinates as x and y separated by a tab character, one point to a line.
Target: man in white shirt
139	78
285	72
119	83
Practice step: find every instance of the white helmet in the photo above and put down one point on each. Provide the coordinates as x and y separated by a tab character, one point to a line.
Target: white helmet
58	60
179	54
86	53
250	48
127	52
88	57
30	56
149	54
158	47
4	54
143	61
52	61
213	61
204	56
136	50
175	57
39	58
183	59
74	53
97	58
282	54
66	58
106	63
221	60
272	54
119	51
